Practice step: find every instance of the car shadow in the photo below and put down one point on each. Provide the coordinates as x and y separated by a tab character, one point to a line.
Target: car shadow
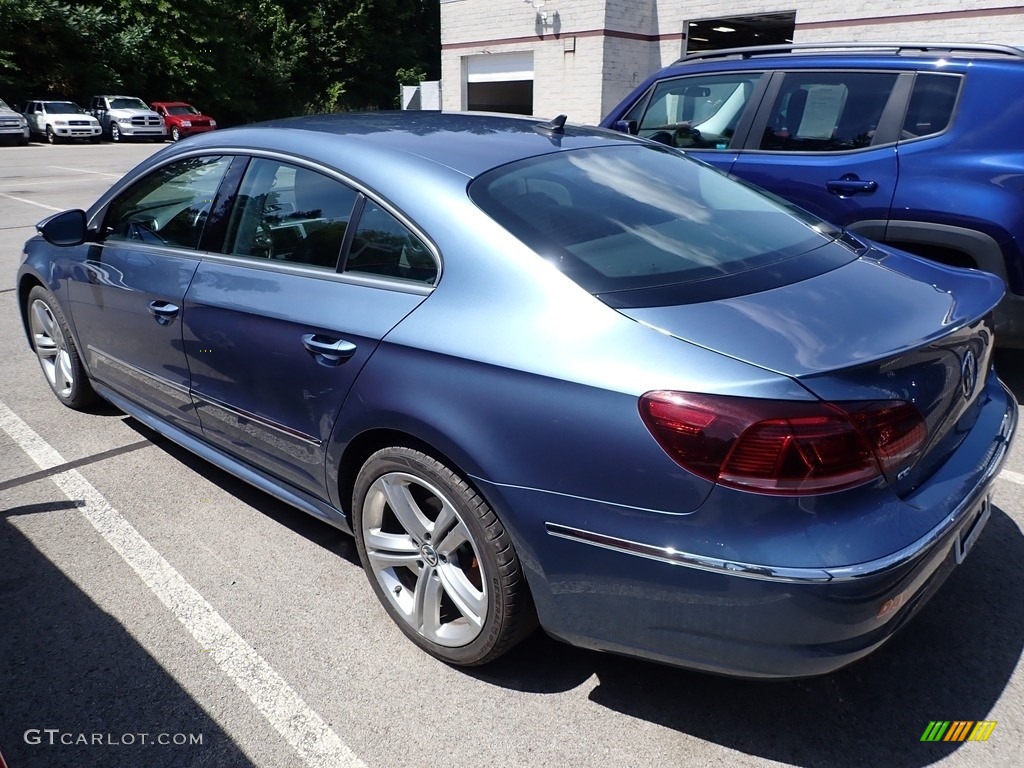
72	674
315	530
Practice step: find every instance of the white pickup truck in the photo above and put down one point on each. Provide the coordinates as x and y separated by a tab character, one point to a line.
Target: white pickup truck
127	117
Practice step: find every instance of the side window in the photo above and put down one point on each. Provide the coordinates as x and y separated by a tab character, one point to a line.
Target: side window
697	112
169	206
289	213
931	105
827	111
384	246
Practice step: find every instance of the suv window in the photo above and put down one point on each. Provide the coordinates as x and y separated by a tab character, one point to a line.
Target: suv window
696	112
168	206
931	104
289	213
827	111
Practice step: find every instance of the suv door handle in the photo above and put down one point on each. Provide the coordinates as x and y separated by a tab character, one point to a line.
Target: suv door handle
850	185
163	311
328	351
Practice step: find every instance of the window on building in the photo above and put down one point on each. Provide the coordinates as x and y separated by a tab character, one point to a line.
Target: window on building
738	31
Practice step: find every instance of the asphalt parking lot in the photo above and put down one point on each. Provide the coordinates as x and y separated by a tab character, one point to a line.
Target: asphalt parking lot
155	611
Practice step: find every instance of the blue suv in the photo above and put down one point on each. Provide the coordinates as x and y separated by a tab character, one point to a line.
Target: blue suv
920	146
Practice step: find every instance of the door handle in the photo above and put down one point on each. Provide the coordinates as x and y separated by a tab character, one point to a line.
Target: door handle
849	184
328	351
163	311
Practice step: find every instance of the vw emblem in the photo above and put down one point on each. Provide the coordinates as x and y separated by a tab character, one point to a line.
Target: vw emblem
969	373
429	555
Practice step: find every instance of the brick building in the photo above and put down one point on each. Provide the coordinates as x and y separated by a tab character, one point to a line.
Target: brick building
581	57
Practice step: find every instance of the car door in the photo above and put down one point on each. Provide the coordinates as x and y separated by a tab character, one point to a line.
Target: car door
126	297
708	114
826	140
275	334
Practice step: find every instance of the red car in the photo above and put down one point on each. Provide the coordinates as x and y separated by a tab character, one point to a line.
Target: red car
182	119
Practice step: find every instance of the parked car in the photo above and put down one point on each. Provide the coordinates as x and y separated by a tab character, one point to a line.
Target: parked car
183	119
13	126
545	373
127	117
58	121
908	144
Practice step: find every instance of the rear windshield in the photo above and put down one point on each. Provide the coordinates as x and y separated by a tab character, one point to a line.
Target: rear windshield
636	218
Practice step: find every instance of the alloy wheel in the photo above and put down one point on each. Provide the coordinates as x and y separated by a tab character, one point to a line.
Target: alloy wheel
425	559
51	348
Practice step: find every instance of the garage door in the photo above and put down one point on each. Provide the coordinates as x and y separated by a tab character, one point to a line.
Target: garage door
500	82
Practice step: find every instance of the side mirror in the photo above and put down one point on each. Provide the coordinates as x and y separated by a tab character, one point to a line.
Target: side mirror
626	126
64	229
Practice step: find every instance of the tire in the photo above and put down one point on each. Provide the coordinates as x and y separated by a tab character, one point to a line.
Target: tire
115	132
55	348
51	137
175	133
439	559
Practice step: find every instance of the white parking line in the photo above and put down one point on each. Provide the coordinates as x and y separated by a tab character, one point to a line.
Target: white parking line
1013	477
308	734
82	170
30	202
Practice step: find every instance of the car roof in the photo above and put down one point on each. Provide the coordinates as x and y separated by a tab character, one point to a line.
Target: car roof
469	143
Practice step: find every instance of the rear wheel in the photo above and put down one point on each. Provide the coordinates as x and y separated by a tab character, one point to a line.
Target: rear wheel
55	348
438	558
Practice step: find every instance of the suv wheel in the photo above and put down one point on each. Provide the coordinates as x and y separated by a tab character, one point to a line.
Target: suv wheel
51	137
175	133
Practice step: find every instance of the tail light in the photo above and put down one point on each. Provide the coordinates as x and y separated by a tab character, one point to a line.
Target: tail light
785	447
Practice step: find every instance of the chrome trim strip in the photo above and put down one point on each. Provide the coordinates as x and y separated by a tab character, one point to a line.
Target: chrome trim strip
260	420
802	575
141	372
673	556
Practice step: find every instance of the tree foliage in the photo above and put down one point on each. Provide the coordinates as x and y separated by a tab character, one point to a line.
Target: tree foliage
241	60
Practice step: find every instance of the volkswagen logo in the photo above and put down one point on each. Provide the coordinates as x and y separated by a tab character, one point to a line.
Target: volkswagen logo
429	554
969	374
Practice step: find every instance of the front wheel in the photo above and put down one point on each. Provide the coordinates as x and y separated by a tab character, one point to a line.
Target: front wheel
115	132
51	137
439	559
55	348
175	133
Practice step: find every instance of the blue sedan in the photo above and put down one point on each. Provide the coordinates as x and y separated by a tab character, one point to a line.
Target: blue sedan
548	375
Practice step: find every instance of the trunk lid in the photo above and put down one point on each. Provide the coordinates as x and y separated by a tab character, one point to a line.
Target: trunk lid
887	328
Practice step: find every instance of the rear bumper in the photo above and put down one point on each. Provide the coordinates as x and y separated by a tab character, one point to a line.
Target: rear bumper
639	596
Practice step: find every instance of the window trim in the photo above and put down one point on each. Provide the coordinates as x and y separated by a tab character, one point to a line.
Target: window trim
98	214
